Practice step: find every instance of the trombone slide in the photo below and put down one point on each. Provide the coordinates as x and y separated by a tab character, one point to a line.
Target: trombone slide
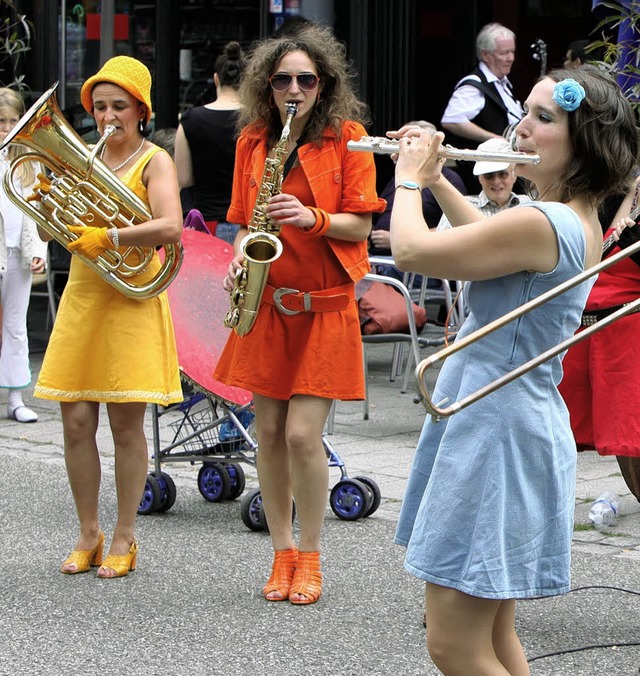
438	412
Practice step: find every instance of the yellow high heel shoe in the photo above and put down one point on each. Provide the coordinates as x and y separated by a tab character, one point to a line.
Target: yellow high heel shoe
84	559
121	564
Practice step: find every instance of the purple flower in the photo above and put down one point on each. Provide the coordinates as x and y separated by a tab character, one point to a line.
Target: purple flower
568	94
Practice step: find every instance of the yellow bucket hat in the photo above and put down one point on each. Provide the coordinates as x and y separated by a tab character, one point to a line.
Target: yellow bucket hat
126	72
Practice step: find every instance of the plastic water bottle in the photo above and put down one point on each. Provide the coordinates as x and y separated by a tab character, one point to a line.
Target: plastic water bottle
228	430
604	510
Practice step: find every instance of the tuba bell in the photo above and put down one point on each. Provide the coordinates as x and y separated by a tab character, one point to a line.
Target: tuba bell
80	189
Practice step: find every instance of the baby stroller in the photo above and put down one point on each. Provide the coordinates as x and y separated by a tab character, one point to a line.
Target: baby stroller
213	425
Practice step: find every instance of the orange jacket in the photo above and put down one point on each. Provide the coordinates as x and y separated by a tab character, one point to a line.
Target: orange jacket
341	182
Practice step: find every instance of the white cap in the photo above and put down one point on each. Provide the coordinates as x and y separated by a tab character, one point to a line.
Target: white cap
493	145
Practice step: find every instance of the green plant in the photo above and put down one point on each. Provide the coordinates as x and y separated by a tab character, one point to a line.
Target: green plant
620	45
583	526
15	40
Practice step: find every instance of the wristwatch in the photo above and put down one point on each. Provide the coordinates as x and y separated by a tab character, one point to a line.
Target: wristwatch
409	185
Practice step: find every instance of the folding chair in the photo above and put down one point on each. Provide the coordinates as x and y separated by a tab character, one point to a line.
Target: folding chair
398	339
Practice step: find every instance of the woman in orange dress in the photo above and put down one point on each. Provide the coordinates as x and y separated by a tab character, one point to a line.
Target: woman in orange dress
297	363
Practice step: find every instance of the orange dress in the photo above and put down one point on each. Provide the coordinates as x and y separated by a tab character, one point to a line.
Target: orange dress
315	353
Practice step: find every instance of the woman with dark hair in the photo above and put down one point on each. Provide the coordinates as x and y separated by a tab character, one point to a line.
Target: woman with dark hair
487	516
205	145
305	348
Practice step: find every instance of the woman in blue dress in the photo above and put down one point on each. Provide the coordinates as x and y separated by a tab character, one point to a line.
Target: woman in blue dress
488	513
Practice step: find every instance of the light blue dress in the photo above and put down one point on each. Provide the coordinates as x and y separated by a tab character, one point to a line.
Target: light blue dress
489	503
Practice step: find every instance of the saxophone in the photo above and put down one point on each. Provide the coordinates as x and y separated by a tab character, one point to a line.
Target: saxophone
262	245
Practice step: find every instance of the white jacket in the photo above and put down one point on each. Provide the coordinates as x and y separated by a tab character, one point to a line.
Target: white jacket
31	246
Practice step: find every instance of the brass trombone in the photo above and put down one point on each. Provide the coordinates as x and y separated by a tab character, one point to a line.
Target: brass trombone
437	412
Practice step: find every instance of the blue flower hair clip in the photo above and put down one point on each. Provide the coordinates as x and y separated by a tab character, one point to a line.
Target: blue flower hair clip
568	94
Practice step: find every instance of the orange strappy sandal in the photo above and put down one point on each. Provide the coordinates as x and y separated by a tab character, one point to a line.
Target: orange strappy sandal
282	570
307	580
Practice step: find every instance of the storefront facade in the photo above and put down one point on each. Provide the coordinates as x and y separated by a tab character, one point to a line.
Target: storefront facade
407	54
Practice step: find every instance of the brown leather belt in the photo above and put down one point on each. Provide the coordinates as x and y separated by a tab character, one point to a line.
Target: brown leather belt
292	301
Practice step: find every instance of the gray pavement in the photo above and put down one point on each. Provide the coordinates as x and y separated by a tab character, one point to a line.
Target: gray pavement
194	605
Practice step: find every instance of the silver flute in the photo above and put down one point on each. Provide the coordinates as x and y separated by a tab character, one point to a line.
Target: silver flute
387	146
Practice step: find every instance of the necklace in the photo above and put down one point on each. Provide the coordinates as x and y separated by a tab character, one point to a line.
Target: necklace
133	154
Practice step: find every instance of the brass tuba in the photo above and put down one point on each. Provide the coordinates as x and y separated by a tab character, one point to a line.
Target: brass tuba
81	190
261	246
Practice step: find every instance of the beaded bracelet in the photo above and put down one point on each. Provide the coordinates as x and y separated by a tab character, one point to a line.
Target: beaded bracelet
322	224
115	237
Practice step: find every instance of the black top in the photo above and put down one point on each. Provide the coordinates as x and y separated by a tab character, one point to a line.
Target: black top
430	208
211	137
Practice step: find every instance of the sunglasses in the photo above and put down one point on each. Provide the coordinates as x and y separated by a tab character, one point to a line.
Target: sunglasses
282	81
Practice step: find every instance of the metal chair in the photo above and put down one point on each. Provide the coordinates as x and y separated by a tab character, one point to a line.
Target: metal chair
399	340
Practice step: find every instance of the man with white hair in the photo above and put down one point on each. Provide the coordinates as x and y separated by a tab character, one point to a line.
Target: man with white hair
482	105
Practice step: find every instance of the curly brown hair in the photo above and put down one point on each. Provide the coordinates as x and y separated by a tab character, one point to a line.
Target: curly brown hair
338	101
604	137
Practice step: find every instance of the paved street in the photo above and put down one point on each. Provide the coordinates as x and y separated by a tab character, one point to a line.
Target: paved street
194	605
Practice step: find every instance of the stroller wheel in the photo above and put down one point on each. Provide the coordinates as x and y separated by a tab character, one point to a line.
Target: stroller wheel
237	480
251	510
167	491
376	495
213	481
350	499
151	496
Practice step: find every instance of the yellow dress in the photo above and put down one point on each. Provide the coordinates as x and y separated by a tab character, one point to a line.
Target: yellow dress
106	347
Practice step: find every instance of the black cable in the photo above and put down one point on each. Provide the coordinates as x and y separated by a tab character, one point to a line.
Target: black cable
605	586
586	647
593	646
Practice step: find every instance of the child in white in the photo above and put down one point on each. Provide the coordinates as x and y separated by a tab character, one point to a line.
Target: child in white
22	253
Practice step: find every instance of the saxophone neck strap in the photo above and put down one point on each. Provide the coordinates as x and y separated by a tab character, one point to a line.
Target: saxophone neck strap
291	160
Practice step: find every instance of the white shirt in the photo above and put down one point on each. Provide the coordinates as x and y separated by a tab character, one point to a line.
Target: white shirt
467	101
487	207
11	215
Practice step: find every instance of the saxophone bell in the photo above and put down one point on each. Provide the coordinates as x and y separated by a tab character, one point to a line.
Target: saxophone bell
261	247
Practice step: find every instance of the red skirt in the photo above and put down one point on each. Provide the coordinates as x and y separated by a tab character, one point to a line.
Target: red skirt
601	387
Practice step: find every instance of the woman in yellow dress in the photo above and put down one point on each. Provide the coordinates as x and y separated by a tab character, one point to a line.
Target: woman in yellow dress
106	347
